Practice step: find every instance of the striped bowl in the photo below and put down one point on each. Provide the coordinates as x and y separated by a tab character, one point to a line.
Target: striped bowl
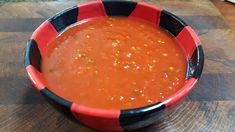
114	120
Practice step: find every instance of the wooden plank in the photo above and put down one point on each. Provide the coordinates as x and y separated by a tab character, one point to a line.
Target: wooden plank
189	116
30	24
229	15
218	45
205	22
35	9
46	9
41	117
20	25
186	7
15	90
12	53
214	87
15	87
199	116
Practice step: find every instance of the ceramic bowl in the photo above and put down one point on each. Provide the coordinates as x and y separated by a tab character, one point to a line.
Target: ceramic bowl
114	120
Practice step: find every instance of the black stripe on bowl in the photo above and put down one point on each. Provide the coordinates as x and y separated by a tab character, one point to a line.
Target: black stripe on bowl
190	69
197	62
32	55
141	117
64	19
57	101
119	8
171	22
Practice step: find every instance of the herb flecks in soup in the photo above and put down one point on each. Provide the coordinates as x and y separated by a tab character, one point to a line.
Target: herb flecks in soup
114	63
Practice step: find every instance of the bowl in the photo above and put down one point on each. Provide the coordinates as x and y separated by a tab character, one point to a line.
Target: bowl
114	120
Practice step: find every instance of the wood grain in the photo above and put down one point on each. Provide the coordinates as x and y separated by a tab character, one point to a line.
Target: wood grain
30	24
34	10
209	107
189	116
229	15
190	7
199	116
38	117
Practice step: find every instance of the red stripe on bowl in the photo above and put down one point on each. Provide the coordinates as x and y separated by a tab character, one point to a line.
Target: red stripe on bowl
147	12
91	10
189	40
36	77
104	120
43	35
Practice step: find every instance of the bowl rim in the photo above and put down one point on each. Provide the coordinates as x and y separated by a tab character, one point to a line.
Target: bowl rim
98	112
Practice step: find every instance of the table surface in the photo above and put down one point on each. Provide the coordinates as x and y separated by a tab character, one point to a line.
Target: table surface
209	107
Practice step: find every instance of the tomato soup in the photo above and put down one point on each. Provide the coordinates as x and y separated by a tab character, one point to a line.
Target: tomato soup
114	63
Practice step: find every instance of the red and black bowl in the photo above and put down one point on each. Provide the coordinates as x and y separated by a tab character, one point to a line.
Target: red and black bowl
114	120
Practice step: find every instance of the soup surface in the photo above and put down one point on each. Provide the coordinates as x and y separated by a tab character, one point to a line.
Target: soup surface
114	63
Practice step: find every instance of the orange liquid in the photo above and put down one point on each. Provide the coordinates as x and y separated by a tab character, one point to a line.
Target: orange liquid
114	63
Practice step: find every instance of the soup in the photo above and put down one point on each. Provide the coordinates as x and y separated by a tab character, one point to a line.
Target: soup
114	63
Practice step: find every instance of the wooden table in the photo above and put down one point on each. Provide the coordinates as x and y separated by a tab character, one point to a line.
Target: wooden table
209	107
